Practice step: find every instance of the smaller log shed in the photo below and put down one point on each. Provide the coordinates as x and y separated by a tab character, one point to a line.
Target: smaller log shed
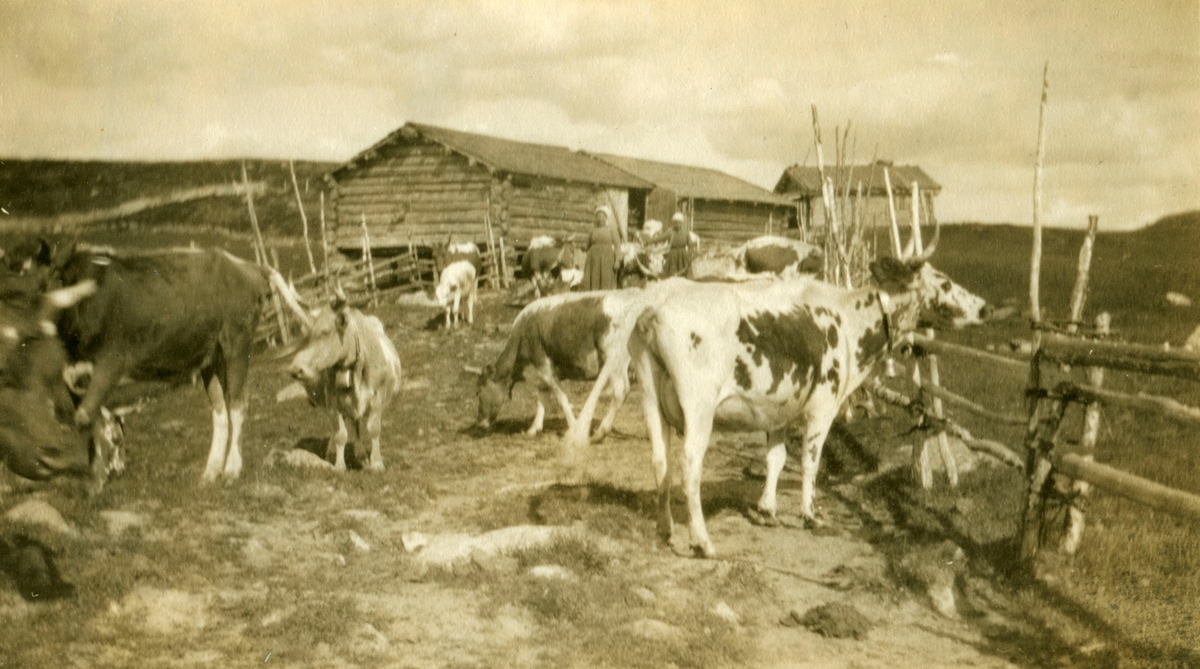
802	185
719	206
422	185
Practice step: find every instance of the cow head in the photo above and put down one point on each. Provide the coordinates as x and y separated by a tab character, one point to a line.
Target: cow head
37	437
494	392
923	294
331	342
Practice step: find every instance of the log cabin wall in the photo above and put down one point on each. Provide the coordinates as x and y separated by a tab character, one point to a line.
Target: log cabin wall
737	222
537	206
418	192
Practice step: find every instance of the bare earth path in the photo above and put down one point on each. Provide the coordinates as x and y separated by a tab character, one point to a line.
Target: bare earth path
308	568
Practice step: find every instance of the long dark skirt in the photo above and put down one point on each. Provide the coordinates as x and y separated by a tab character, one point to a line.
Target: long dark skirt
600	273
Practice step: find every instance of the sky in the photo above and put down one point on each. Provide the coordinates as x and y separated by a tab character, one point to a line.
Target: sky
951	86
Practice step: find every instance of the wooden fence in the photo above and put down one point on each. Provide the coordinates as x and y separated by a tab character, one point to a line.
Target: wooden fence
1056	473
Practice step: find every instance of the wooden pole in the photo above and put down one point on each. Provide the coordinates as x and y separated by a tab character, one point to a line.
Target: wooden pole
312	266
942	438
370	262
922	471
503	263
1091	431
324	249
260	248
887	182
918	245
1079	294
1154	495
1035	261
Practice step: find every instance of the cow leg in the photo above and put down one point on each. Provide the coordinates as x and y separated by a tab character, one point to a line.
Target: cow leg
538	418
814	441
776	458
374	423
335	452
659	442
220	437
695	443
235	356
620	390
457	307
471	307
106	373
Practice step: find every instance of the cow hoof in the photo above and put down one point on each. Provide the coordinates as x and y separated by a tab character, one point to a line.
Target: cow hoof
376	467
703	551
762	517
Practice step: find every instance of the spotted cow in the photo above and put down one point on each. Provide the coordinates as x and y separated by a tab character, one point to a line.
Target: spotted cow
778	255
764	356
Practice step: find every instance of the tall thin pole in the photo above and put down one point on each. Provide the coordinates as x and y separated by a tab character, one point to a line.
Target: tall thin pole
260	250
1035	261
312	266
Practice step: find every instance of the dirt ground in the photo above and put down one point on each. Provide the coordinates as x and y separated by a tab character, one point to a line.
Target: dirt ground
311	568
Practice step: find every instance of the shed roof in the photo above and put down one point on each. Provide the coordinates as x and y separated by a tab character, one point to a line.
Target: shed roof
807	180
508	155
695	182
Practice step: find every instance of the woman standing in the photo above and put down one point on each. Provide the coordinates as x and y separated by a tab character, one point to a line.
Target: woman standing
600	271
679	255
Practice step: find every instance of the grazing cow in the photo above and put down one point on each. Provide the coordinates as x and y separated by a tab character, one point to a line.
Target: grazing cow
38	439
545	260
170	315
349	366
457	282
568	336
764	355
779	256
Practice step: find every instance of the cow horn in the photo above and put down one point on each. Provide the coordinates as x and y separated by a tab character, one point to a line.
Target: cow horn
71	295
477	371
928	252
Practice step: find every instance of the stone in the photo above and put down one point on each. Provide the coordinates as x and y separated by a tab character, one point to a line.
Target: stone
836	620
296	458
644	595
654	630
552	572
37	519
359	543
726	613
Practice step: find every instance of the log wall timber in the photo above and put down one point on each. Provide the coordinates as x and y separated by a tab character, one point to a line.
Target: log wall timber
413	192
555	208
737	221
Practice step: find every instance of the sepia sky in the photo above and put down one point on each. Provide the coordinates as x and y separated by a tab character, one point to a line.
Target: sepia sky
952	86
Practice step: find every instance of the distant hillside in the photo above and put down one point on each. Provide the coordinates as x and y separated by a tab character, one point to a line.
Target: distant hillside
1131	271
50	189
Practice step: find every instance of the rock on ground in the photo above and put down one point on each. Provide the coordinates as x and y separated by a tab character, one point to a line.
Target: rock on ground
837	620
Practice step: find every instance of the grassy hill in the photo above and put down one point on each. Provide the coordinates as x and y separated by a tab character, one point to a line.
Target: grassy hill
44	189
1131	272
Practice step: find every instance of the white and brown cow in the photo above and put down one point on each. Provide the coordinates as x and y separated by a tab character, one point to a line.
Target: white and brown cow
349	366
568	336
764	356
456	284
778	255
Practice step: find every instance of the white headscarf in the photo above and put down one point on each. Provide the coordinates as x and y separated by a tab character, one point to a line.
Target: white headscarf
608	213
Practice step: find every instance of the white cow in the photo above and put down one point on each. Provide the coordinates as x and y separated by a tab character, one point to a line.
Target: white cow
764	356
457	282
349	366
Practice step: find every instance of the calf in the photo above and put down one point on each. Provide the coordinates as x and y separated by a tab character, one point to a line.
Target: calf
569	336
545	260
765	355
779	256
170	315
450	253
349	366
457	282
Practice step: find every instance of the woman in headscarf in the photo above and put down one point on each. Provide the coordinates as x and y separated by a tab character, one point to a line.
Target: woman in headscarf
679	254
600	271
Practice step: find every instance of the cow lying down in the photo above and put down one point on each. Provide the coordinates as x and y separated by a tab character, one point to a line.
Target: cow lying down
349	366
764	356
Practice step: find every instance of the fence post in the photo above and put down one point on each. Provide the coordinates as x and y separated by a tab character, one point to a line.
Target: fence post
1087	450
922	472
374	288
943	440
